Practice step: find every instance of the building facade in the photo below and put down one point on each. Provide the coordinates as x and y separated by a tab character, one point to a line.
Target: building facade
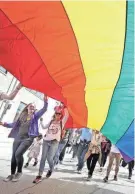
9	110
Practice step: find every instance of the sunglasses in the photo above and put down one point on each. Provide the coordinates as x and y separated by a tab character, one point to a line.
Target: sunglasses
57	113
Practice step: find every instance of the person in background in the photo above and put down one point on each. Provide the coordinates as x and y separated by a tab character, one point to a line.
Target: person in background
69	143
24	130
11	96
130	167
76	141
85	139
61	146
105	150
94	153
61	157
114	154
51	141
34	150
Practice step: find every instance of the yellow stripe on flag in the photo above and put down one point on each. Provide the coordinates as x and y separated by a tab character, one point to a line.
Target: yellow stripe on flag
99	28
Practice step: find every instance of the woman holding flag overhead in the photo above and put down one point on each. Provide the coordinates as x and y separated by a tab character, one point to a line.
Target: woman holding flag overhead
24	130
51	140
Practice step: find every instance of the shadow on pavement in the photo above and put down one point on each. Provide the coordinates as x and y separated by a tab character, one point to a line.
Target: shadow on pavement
50	186
66	171
80	179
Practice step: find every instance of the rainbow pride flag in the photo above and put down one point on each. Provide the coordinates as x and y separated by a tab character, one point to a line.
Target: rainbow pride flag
78	52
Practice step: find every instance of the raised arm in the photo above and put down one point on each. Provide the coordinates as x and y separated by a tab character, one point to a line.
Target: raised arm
11	96
44	126
66	116
43	110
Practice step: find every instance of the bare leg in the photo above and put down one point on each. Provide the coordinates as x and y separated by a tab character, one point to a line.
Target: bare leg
111	159
117	157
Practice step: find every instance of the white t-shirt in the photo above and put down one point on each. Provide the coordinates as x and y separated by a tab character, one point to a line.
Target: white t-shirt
114	149
54	128
53	132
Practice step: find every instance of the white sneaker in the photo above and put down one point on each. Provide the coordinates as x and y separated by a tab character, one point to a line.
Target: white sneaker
56	167
9	178
17	177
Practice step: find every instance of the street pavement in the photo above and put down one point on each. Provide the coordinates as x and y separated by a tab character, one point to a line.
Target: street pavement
63	181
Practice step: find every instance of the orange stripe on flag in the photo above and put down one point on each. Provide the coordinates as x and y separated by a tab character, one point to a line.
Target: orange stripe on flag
47	27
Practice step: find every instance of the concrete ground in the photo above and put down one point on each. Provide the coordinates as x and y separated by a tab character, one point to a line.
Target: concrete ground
63	181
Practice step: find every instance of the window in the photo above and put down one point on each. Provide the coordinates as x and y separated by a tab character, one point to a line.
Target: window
38	94
3	70
19	110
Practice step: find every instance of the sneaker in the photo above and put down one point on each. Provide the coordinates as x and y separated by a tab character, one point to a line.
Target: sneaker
100	170
17	177
26	165
129	177
37	179
89	177
79	171
115	178
9	178
56	166
35	163
49	173
105	179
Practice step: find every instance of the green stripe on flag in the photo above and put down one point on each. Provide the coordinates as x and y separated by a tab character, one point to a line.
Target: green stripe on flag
121	112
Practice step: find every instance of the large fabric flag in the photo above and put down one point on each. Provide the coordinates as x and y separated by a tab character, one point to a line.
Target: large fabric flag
78	52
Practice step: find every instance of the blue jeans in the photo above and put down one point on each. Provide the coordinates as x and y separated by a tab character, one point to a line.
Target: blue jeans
20	146
75	150
82	150
48	152
59	150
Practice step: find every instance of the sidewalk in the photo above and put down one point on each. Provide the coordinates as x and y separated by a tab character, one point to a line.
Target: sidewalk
64	181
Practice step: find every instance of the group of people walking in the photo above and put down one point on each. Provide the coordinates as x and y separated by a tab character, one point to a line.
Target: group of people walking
26	129
87	145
